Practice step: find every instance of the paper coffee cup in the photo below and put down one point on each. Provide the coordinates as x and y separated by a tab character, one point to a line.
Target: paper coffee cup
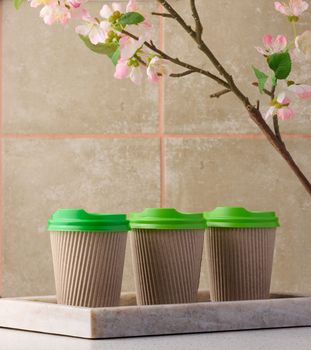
167	253
88	257
240	248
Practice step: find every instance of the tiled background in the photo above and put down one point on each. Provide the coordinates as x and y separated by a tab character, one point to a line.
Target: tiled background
73	136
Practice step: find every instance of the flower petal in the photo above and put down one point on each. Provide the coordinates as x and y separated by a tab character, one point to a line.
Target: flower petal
281	8
298	7
282	98
302	91
280	43
271	111
122	70
261	50
267	41
116	6
83	29
105	11
285	113
96	35
136	75
131	6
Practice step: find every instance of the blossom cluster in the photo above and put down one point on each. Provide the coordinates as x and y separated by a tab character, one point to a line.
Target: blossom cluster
106	34
280	55
60	11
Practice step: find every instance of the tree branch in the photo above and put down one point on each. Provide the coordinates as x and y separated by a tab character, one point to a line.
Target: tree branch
202	46
140	60
267	92
198	23
276	125
160	14
253	112
177	17
178	62
187	65
182	74
277	128
220	93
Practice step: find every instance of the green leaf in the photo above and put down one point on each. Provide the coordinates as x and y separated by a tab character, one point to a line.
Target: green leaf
115	56
131	18
103	49
281	64
262	79
17	3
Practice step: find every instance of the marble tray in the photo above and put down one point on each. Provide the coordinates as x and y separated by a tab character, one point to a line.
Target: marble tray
42	314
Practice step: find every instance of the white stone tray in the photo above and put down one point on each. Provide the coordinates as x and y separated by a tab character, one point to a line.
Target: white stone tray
42	314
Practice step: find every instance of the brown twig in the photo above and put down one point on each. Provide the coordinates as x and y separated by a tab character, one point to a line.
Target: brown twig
275	118
182	74
178	62
253	112
166	15
277	127
220	93
140	60
267	92
203	47
197	20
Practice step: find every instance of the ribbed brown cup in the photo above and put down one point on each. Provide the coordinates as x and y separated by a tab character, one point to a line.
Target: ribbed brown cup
88	267
167	265
240	262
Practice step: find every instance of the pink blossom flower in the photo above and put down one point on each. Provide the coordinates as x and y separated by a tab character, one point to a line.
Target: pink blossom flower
75	3
302	49
302	91
131	6
106	11
124	70
294	8
80	12
136	75
36	3
156	68
92	29
280	107
272	45
129	46
285	113
55	13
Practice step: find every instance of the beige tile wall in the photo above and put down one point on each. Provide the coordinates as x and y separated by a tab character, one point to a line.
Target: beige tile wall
73	136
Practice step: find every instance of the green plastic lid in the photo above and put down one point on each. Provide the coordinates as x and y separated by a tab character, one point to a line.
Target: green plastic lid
80	220
236	217
166	219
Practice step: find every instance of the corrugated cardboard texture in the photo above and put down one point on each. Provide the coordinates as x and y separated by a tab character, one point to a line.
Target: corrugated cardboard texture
167	265
88	267
240	263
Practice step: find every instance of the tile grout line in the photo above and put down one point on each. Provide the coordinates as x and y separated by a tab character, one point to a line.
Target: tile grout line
162	120
150	135
1	150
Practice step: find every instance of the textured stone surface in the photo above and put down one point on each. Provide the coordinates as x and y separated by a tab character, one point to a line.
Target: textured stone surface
44	175
124	321
203	174
53	84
